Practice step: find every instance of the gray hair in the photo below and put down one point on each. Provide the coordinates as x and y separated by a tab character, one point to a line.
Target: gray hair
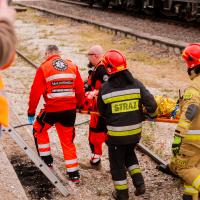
52	48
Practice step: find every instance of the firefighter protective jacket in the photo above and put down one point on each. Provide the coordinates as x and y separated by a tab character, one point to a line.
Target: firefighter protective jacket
60	84
98	76
3	106
189	123
122	109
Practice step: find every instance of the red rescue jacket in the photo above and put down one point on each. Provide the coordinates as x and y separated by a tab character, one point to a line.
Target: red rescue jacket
60	84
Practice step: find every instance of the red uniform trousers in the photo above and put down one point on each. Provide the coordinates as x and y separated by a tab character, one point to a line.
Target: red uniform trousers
64	123
97	136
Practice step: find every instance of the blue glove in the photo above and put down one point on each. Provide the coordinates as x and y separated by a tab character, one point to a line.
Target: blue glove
174	112
31	119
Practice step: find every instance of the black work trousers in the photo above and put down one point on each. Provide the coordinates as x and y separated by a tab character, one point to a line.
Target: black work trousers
121	157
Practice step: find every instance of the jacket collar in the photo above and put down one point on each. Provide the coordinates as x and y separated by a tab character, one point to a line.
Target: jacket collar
51	57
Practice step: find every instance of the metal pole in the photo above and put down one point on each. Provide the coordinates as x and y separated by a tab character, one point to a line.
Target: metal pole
37	160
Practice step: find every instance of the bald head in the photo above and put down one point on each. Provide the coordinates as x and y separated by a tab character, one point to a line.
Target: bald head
96	49
95	54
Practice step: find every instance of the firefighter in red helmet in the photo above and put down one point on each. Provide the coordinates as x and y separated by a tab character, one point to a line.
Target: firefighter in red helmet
186	144
61	85
120	102
97	129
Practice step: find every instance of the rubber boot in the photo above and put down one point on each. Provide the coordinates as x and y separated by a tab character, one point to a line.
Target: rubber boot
120	194
138	182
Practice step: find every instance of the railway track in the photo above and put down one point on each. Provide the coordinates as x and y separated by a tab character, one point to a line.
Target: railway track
141	147
36	185
167	43
90	188
142	15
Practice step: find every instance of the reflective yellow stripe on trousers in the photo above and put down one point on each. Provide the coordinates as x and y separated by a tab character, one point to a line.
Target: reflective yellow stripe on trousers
121	185
134	169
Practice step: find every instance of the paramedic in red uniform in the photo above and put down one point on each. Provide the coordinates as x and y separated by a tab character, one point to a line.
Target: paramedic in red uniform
62	88
97	76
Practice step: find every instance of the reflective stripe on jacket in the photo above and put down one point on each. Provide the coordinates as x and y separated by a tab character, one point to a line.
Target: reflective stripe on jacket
60	84
192	135
60	77
122	109
123	102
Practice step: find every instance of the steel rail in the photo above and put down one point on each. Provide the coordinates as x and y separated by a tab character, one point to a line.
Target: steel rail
178	46
27	124
26	59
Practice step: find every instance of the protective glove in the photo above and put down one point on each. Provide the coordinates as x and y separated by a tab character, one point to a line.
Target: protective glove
31	119
87	87
175	111
176	144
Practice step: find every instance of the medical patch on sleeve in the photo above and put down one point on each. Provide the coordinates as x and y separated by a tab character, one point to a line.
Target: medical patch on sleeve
59	65
105	78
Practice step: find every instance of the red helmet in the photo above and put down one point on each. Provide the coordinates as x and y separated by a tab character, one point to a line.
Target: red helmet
191	54
114	61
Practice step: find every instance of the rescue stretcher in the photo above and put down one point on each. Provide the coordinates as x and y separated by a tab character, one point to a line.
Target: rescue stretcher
168	110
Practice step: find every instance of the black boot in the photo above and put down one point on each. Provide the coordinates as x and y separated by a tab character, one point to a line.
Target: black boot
187	197
48	160
120	194
138	182
165	169
74	176
96	163
140	190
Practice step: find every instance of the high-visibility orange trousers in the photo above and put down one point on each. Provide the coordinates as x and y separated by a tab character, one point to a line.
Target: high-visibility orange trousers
66	135
97	134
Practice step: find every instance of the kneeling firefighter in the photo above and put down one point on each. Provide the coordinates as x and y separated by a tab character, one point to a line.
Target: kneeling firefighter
186	144
120	102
